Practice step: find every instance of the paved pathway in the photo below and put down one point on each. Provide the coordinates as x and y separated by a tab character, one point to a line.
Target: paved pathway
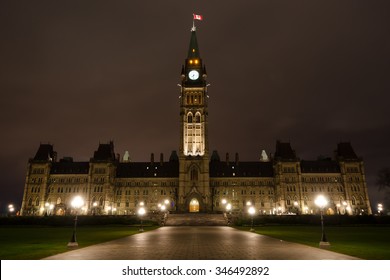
198	243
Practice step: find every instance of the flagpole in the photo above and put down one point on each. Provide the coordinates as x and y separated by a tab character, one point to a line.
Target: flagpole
193	23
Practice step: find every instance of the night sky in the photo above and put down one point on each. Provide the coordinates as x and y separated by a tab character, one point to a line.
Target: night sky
76	73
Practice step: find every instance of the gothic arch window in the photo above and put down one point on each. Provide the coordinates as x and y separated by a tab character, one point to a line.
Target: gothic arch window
101	201
189	118
30	202
37	201
353	200
197	117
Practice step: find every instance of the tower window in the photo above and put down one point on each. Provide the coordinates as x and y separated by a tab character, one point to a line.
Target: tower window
197	118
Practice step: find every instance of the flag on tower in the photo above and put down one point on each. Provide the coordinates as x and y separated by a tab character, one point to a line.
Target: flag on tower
198	17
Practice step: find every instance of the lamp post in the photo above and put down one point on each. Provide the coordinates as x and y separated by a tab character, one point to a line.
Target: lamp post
251	212
47	204
76	203
141	212
11	209
228	207
223	201
94	205
338	205
321	202
296	207
345	207
380	208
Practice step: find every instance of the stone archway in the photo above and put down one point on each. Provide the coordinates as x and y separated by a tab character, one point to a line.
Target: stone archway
194	206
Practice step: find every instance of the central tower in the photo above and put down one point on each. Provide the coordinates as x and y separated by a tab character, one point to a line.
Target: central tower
194	183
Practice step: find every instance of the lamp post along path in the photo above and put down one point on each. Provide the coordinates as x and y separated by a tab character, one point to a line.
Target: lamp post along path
321	202
141	212
251	212
77	202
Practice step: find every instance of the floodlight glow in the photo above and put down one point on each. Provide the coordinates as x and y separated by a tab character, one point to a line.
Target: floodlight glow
77	202
321	201
141	211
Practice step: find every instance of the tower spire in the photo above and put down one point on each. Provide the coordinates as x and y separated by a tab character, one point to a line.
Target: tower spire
193	51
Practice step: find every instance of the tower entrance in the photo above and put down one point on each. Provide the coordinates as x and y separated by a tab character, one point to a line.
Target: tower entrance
194	205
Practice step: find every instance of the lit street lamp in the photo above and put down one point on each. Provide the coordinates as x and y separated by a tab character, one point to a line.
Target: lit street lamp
228	207
141	212
345	207
94	205
251	212
296	207
380	208
321	202
76	203
338	205
47	204
11	209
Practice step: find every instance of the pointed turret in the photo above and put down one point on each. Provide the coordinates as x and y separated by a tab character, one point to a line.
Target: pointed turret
193	51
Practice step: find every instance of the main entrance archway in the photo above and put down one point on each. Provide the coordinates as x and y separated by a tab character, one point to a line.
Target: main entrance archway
194	205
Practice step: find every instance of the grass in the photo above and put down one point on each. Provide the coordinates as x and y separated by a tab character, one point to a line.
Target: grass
365	242
37	242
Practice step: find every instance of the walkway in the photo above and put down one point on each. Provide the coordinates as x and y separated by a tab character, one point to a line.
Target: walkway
198	243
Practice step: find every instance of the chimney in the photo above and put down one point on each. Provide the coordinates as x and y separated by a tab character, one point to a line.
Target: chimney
152	158
161	159
237	158
227	158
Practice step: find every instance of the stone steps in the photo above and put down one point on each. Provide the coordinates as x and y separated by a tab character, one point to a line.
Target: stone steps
195	219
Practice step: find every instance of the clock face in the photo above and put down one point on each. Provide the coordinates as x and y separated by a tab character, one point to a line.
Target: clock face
193	75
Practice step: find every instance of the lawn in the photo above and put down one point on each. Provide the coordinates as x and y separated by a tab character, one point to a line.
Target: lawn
365	242
37	242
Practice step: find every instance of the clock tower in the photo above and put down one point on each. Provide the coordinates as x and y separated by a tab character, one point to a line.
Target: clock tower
194	184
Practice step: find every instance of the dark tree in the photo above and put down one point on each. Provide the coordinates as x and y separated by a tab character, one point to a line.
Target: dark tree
383	180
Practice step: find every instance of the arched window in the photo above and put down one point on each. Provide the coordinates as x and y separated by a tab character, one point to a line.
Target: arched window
197	117
30	202
189	118
101	201
353	200
37	201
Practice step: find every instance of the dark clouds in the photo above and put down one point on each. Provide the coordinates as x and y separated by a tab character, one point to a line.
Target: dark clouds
74	73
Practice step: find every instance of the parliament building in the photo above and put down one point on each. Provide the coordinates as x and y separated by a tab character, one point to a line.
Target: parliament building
193	179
